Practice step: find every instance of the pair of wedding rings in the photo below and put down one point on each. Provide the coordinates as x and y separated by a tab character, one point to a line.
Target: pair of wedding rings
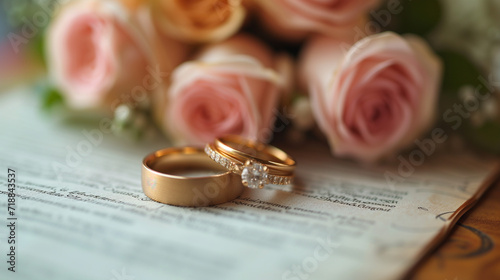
191	176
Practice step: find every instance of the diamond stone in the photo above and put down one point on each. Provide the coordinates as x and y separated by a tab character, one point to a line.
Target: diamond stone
254	175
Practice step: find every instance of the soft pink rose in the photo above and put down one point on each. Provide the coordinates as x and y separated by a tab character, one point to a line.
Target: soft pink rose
375	98
295	18
230	88
99	54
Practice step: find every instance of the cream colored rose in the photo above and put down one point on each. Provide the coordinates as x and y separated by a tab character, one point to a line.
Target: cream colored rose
199	20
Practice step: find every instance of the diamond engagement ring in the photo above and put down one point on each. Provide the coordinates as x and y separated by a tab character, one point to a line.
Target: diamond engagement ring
257	163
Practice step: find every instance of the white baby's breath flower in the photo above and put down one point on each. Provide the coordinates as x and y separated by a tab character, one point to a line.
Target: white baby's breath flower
469	27
122	113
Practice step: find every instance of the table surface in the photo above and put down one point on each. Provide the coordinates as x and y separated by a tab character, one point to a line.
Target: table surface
472	251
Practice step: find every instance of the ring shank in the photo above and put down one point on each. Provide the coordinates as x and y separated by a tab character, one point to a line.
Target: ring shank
242	149
164	178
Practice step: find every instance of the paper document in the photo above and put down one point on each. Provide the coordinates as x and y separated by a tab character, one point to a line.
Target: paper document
80	212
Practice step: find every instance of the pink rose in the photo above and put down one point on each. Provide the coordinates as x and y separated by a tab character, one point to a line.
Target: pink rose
374	99
99	54
295	18
230	88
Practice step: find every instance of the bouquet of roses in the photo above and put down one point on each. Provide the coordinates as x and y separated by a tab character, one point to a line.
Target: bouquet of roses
207	68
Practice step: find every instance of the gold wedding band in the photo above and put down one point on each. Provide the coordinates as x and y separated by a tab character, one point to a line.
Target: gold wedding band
257	163
178	176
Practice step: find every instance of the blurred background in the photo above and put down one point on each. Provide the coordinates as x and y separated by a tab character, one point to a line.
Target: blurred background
465	33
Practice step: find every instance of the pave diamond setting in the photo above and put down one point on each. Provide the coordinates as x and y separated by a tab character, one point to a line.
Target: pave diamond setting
221	160
254	175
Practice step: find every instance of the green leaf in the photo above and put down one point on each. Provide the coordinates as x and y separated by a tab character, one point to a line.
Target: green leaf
37	47
410	16
458	71
51	98
485	137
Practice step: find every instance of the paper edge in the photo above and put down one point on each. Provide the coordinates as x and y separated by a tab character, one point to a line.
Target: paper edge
452	221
